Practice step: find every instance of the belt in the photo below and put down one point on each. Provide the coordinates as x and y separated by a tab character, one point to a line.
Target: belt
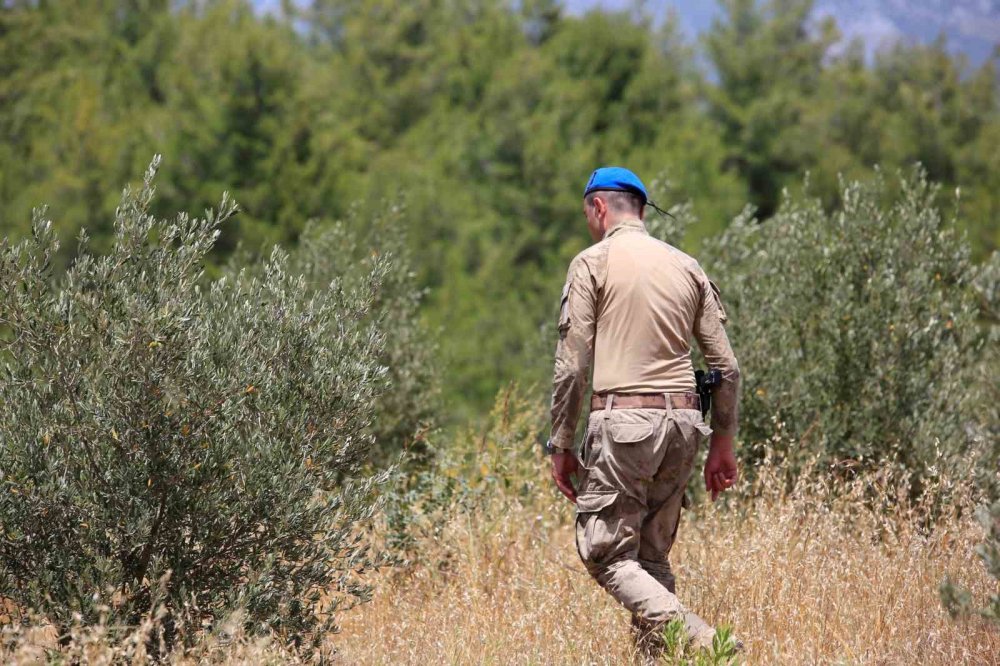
646	401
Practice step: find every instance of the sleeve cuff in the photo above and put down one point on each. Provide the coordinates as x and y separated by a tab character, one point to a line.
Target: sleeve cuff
562	440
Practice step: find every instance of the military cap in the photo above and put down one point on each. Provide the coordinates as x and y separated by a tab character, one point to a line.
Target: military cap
617	179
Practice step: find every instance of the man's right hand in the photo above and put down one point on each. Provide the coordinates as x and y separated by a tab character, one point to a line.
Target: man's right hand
720	465
564	466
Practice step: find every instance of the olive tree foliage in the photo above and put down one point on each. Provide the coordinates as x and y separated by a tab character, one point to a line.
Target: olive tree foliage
346	252
171	442
859	331
956	598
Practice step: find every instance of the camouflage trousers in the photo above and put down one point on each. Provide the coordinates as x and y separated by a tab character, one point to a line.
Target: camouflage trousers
635	467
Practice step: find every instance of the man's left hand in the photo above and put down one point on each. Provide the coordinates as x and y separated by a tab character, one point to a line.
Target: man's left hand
721	471
564	466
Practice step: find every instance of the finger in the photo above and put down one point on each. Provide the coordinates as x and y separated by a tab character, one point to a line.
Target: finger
566	489
715	494
719	481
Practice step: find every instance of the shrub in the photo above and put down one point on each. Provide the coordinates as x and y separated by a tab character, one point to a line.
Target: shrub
957	599
499	458
346	252
859	332
167	441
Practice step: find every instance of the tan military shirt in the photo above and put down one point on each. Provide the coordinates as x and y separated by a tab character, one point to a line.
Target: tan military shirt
630	307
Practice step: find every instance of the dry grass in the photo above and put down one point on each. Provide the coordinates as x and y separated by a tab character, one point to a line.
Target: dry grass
94	646
808	578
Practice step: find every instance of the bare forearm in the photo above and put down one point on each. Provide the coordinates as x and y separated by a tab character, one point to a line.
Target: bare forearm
713	341
726	400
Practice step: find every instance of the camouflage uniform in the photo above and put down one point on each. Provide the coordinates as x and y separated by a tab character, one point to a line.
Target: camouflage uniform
630	307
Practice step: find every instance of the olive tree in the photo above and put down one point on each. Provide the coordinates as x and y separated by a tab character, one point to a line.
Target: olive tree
346	251
170	441
860	331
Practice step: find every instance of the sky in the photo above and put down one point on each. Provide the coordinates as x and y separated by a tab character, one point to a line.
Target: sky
971	27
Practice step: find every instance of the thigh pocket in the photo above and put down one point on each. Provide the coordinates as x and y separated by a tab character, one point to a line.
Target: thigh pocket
594	501
598	528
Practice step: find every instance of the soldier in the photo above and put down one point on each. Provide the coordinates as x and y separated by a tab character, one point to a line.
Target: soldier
630	306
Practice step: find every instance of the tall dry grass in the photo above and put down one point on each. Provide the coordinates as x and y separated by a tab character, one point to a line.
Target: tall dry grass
811	576
831	571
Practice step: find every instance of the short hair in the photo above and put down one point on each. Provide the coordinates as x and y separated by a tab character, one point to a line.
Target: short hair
618	200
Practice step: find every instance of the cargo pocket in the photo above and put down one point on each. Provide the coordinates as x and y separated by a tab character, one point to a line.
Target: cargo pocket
597	528
703	429
594	500
626	428
632	455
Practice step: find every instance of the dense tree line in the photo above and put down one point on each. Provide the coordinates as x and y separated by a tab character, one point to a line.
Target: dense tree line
479	119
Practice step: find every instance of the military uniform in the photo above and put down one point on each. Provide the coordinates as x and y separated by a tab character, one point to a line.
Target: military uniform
630	306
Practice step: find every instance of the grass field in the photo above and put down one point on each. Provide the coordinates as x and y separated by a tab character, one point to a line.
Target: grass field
814	576
808	578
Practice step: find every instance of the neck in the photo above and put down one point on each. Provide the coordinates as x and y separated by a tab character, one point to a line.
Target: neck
621	218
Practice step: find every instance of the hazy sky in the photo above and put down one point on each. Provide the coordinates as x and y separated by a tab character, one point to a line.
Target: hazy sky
971	26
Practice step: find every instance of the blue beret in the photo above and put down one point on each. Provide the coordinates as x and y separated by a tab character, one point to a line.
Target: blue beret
616	178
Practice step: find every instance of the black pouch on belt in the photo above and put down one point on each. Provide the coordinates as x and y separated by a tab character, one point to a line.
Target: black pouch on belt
706	383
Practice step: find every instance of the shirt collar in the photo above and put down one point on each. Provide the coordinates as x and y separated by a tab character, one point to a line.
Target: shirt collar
631	224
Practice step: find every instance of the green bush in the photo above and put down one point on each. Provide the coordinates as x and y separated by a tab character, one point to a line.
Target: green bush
346	252
860	332
152	423
956	599
497	458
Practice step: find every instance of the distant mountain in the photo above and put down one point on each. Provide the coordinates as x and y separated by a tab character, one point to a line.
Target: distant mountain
969	26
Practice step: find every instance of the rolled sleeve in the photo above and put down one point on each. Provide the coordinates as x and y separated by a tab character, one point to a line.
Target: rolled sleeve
710	333
574	352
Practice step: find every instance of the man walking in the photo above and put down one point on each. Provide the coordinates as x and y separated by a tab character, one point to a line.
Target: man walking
630	306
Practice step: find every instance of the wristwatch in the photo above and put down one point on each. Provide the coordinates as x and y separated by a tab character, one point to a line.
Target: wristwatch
549	449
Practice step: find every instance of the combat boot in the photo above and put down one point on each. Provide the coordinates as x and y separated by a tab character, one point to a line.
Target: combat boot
700	633
702	636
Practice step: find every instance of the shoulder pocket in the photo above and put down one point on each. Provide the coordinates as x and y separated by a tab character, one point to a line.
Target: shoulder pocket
717	295
563	322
